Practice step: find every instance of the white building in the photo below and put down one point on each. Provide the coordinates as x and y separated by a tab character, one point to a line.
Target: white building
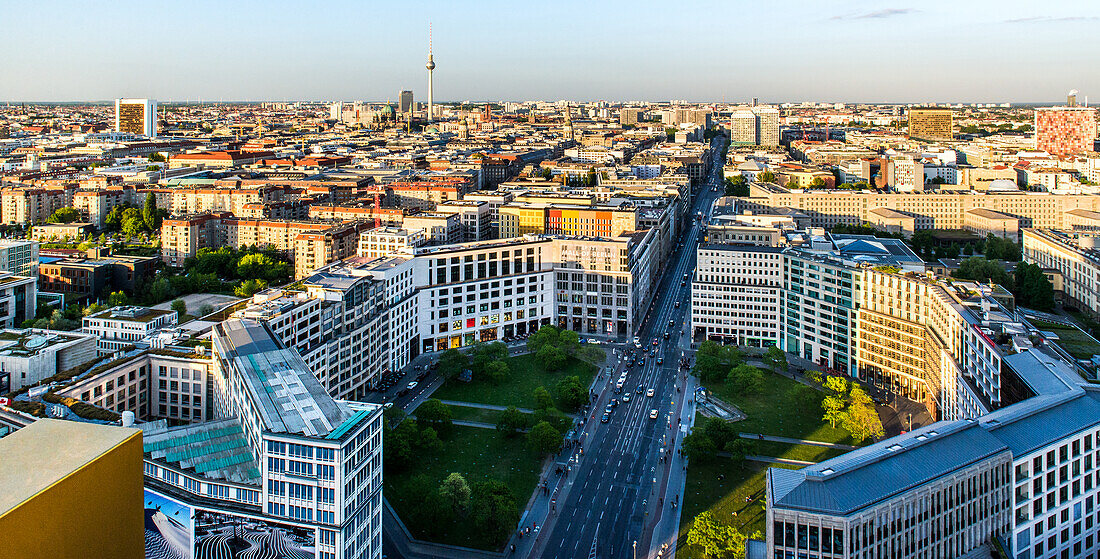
119	327
19	256
735	294
384	241
29	356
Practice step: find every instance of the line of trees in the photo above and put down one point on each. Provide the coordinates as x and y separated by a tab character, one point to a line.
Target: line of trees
1027	282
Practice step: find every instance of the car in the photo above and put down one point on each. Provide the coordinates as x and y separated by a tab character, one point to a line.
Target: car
652	414
685	276
637	341
640	389
387	405
411	385
660	360
671	323
605	418
626	397
683	283
642	362
655	341
677	305
649	393
666	337
614	403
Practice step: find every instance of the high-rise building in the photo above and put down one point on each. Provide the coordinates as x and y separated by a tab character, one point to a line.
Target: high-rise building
629	117
136	116
767	126
930	124
743	127
405	101
1065	130
755	126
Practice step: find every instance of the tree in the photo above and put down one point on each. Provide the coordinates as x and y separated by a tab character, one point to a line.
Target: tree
775	359
253	266
746	379
818	182
766	176
552	357
427	442
737	185
133	226
456	492
670	134
156	157
497	372
861	419
494	509
1033	289
981	269
205	309
698	447
544	439
542	398
571	393
117	299
834	409
547	335
837	385
716	539
435	414
149	213
511	421
713	362
250	287
180	306
568	341
452	362
63	215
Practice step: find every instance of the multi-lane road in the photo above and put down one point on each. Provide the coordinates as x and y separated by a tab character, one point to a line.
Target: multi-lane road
609	503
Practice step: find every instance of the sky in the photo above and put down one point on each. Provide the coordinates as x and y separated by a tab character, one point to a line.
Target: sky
732	50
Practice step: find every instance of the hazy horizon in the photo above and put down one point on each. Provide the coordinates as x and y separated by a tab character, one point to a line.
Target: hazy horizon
850	52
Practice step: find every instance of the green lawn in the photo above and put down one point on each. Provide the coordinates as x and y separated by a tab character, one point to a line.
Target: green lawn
773	411
527	375
474	414
478	454
1074	341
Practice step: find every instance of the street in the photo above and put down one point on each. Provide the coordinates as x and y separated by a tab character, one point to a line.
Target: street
608	503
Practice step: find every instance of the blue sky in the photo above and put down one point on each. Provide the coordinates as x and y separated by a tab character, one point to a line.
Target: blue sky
959	51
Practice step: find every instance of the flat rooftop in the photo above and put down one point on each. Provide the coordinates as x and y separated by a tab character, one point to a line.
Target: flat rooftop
289	397
49	450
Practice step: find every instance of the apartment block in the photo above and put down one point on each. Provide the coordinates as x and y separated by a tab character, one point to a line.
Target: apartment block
474	216
1075	256
385	241
931	124
19	257
1065	130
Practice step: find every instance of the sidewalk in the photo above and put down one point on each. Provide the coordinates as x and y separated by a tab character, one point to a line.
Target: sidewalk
666	528
775	439
773	460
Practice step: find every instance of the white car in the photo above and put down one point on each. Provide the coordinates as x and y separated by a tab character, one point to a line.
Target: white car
626	397
411	385
653	414
649	393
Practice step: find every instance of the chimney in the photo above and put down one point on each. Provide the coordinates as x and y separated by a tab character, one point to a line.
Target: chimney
1071	98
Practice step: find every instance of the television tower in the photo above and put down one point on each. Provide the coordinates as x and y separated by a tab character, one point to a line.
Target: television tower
430	66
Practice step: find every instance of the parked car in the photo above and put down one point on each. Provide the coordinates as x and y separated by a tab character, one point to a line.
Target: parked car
605	418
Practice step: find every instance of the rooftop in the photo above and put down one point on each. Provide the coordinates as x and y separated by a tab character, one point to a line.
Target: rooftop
288	396
34	459
215	449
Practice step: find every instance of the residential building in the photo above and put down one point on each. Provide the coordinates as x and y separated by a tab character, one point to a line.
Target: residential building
475	217
53	465
60	232
385	241
136	116
439	228
743	128
931	123
18	299
1065	130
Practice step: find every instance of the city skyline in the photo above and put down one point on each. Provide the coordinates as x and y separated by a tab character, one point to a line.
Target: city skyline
706	52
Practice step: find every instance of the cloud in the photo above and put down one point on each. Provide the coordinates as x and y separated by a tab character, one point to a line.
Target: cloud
1048	19
878	14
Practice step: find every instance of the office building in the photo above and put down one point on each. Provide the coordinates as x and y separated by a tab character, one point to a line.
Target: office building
384	241
136	116
120	327
743	128
52	472
1065	130
629	117
755	126
280	458
19	257
1023	476
930	124
735	294
27	356
405	101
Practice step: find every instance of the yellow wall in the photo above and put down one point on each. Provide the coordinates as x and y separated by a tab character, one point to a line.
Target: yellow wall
96	512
